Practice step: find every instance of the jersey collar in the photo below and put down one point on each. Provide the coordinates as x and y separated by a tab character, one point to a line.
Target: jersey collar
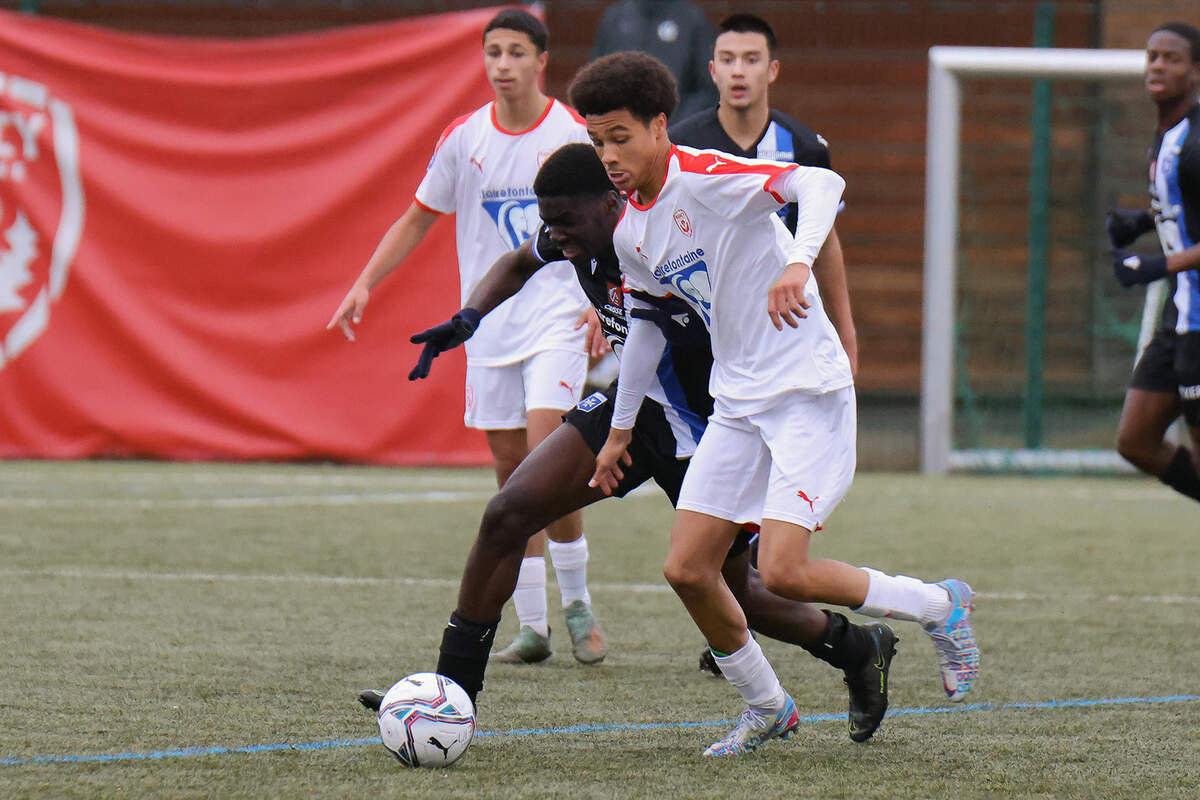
545	113
666	174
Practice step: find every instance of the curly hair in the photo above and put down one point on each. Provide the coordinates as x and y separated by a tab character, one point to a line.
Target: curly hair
572	170
631	81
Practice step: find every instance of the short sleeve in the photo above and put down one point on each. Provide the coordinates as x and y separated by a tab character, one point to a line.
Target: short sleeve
734	188
817	153
437	191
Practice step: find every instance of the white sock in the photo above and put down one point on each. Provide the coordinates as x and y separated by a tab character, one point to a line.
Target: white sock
754	678
902	597
529	597
570	566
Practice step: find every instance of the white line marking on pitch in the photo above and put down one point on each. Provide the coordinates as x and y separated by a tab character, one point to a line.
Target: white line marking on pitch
277	501
79	573
395	498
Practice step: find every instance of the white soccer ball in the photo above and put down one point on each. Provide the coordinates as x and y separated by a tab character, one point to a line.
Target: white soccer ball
426	720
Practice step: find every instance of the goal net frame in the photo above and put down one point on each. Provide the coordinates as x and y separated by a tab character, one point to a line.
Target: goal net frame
947	66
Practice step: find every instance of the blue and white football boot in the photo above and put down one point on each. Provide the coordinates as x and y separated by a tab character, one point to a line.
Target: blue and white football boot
752	730
954	640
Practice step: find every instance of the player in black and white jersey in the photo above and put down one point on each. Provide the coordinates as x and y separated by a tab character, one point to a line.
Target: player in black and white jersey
580	209
743	67
1166	380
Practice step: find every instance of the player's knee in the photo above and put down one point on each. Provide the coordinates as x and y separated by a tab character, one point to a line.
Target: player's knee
507	521
1132	447
686	578
788	582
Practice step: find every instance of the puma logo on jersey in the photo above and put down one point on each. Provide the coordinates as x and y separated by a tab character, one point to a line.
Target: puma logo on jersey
478	162
716	163
806	499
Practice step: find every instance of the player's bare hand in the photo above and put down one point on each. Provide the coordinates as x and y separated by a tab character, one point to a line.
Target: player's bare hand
350	311
609	460
785	298
597	345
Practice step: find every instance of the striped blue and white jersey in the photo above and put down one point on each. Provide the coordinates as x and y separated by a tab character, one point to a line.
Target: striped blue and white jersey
681	378
784	139
1175	202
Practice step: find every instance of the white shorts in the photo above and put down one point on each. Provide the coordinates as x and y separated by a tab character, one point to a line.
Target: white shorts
498	397
793	462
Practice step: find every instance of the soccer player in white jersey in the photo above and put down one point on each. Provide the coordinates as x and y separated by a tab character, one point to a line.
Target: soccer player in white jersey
780	444
527	362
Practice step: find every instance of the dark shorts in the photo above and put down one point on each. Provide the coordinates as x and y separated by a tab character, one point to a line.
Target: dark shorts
1171	364
652	448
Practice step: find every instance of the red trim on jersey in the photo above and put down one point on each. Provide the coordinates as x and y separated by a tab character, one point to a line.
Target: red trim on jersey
424	207
450	129
667	171
496	123
713	164
574	114
767	186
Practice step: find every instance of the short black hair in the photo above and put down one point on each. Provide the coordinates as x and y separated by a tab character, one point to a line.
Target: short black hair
748	23
629	80
1189	32
521	21
572	170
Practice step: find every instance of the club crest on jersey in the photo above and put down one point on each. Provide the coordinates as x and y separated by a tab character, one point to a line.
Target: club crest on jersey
683	222
615	296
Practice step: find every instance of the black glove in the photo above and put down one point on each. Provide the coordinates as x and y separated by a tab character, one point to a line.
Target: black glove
1124	225
1132	269
440	338
676	319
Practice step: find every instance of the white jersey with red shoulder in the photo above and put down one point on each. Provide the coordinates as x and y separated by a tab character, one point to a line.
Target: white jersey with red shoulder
484	174
712	237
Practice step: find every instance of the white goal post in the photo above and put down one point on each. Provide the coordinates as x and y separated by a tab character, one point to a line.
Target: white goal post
947	65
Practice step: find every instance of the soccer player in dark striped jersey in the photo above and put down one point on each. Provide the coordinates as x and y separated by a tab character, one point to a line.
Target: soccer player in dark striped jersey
743	67
1166	380
580	208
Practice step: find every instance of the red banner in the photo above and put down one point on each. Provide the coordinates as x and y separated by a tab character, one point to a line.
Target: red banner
180	217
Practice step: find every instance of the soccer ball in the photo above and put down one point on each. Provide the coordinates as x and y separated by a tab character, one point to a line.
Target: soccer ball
426	720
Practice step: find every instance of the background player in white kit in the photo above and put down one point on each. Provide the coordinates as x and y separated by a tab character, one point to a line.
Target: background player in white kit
527	362
780	444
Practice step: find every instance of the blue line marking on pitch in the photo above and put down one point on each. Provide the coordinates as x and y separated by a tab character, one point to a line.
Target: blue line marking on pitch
633	726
